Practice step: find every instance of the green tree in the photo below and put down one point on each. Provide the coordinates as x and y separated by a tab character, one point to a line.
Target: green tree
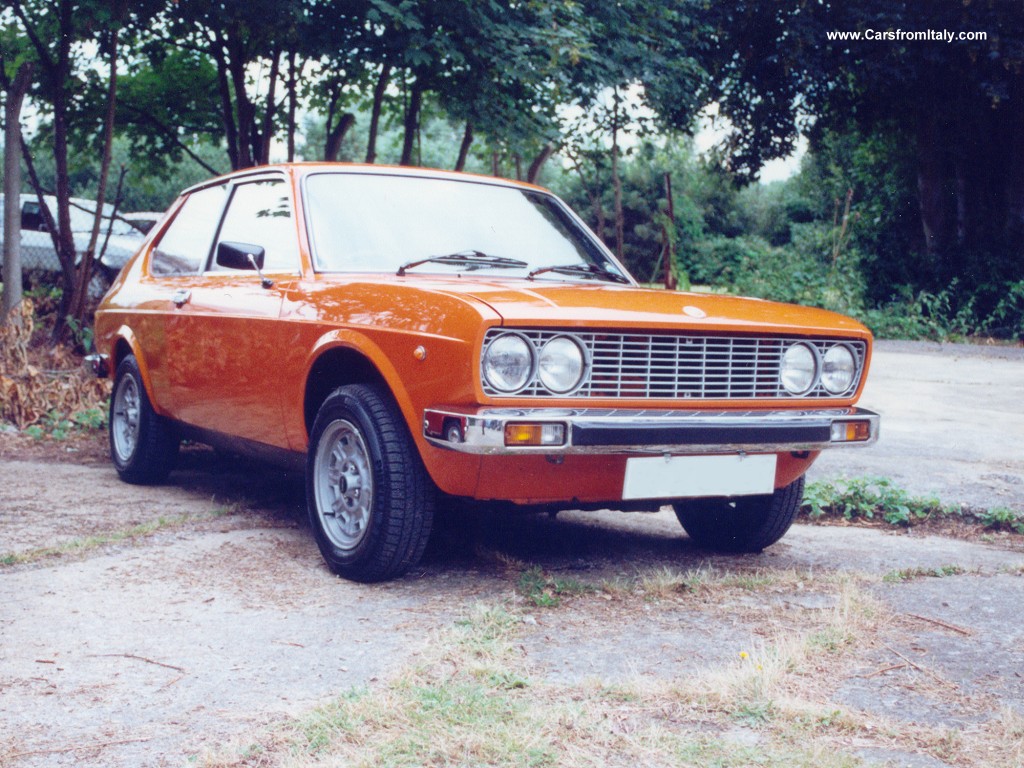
58	35
239	37
639	74
956	105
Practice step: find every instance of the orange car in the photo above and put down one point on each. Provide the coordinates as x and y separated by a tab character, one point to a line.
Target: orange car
407	335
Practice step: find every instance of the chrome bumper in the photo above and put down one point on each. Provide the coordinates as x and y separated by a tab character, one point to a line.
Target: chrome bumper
591	430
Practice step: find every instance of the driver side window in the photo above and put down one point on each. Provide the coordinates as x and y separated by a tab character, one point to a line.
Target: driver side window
260	213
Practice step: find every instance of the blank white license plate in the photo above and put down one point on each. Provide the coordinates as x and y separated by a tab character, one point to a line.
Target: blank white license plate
667	477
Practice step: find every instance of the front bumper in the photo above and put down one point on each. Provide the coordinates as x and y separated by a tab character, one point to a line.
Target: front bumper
487	431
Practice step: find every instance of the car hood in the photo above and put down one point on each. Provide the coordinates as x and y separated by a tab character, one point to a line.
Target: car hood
525	303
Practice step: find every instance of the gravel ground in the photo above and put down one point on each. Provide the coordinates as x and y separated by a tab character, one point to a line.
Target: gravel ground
148	650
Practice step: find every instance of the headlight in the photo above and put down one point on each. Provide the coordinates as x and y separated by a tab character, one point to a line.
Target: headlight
560	365
838	369
799	369
508	363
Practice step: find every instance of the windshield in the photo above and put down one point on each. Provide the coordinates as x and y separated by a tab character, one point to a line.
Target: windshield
381	223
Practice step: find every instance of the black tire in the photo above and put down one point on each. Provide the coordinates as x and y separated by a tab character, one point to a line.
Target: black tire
370	499
743	524
143	445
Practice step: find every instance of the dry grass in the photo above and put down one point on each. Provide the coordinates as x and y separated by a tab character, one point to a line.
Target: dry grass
37	380
473	699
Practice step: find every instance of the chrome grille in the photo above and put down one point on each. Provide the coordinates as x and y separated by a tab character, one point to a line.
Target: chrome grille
670	366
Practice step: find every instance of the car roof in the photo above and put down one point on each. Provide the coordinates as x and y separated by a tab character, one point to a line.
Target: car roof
308	168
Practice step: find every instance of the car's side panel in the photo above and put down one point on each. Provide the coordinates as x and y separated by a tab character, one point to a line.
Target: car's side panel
223	345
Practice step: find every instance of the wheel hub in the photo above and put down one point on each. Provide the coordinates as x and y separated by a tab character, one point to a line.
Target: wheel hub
126	418
343	484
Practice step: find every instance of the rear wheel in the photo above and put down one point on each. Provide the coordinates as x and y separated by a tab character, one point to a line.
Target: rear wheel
142	444
370	499
744	524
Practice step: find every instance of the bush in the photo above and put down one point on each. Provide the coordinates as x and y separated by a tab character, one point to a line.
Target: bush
1007	319
804	272
721	261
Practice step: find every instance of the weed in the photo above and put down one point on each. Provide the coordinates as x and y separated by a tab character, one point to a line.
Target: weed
869	497
830	639
544	591
1001	519
909	574
753	713
661	583
82	334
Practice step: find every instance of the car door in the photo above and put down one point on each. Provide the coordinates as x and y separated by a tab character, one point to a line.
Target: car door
224	333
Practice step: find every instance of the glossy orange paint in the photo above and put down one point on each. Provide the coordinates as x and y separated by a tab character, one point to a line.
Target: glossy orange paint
237	357
595	479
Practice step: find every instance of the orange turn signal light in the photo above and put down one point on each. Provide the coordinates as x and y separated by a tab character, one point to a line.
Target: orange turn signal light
851	431
535	434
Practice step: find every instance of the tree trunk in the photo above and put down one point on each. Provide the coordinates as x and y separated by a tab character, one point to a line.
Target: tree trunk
931	191
467	141
247	138
293	105
620	224
518	160
85	268
65	238
538	163
12	193
378	101
262	156
412	123
227	109
336	136
670	236
1014	225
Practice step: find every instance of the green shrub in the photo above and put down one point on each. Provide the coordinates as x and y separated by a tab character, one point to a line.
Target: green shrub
868	497
1007	319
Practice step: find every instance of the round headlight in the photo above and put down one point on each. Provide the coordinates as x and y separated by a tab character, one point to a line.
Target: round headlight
560	365
838	369
799	369
508	363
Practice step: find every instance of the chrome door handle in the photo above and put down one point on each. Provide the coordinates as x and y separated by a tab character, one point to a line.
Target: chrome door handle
181	297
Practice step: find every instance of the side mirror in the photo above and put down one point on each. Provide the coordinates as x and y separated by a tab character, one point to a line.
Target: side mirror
236	256
243	256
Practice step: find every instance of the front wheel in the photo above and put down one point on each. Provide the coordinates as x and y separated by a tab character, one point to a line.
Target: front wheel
143	446
744	524
370	499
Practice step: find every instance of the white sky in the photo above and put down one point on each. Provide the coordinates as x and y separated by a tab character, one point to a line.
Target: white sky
713	129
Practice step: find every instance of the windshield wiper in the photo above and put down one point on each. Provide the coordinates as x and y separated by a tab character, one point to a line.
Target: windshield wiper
585	270
468	259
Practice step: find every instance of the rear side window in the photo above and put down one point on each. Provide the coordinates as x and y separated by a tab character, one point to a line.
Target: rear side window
185	245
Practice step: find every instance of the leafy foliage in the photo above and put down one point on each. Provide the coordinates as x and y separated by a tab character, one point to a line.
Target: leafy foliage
867	498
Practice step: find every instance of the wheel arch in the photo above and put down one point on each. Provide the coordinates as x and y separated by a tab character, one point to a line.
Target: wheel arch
125	343
342	359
